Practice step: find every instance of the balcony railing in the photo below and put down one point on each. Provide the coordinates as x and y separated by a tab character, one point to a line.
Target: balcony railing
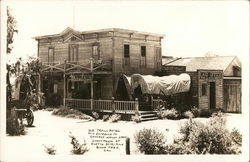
73	66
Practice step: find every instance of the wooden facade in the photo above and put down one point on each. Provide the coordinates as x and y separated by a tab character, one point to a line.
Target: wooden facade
210	89
121	51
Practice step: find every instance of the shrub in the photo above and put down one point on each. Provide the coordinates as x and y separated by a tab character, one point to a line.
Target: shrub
50	150
177	148
181	108
78	148
169	114
105	117
188	114
95	115
115	117
49	109
70	113
205	113
136	118
150	141
236	136
195	111
213	138
14	127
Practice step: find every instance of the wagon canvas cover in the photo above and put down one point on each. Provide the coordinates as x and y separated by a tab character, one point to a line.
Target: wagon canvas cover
167	84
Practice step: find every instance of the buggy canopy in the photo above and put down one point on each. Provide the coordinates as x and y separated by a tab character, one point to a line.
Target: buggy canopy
16	83
167	84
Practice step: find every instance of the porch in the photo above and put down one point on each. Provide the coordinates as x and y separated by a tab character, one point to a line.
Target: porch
112	106
67	79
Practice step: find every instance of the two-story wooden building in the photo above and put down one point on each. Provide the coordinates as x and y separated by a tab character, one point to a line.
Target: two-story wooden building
72	58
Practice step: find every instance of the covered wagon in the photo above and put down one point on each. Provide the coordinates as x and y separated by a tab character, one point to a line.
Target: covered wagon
146	88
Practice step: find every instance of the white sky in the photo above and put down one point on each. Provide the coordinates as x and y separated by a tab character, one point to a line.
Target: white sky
191	28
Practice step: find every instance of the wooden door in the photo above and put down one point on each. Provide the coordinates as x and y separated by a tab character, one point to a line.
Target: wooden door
232	95
212	95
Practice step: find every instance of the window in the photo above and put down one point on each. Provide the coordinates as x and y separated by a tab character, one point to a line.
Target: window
143	51
143	56
126	55
126	50
203	89
73	53
51	55
95	52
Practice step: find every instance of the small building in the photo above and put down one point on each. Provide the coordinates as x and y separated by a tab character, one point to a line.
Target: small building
215	81
88	64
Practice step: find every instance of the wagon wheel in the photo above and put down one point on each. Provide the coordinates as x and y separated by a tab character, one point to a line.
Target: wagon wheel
29	117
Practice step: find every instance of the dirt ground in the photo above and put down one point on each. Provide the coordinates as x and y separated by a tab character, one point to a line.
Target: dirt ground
53	130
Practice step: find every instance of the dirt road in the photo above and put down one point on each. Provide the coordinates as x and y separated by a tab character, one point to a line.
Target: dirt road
52	130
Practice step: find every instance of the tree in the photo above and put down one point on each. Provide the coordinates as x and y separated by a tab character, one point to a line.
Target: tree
11	30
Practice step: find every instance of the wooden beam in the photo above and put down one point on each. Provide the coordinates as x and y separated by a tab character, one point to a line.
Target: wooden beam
92	84
64	84
75	66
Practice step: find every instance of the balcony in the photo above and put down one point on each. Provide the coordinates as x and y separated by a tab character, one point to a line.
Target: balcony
85	66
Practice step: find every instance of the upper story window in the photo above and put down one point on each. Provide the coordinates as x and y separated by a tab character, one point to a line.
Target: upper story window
126	54
95	52
143	56
73	52
51	54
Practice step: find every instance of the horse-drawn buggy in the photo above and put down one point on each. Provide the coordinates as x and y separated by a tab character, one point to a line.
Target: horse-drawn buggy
20	98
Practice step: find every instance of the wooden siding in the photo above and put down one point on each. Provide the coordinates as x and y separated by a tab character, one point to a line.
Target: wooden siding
107	87
84	50
232	95
135	54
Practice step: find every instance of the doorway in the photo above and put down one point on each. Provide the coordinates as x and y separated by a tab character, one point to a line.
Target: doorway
212	95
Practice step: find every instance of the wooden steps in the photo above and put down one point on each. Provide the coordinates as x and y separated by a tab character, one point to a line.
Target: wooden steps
148	115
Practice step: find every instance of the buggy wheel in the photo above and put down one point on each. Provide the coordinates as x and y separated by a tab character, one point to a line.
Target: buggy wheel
29	117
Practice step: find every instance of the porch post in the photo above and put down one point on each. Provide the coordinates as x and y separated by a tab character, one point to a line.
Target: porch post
136	105
64	84
39	88
113	104
92	84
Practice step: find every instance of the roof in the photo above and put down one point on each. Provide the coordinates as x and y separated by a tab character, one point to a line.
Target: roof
196	63
168	59
68	29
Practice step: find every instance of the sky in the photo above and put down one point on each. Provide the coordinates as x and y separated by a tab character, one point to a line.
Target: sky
191	28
